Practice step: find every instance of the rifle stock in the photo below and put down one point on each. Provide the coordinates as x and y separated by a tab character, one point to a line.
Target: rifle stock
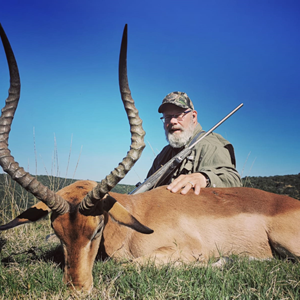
162	173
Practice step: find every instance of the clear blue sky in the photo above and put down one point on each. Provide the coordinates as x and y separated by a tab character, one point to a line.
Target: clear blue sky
221	53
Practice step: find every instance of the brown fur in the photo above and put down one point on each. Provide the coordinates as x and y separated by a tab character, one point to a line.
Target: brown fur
222	221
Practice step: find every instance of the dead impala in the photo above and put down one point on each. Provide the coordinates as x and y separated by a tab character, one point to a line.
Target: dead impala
220	221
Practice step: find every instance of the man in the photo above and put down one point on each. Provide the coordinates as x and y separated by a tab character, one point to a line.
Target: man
212	161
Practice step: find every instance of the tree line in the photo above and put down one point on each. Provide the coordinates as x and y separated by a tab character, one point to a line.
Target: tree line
284	185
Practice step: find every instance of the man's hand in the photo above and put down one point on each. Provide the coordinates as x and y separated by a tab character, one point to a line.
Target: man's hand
186	182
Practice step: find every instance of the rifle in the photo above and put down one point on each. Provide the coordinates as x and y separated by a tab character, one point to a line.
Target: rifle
162	173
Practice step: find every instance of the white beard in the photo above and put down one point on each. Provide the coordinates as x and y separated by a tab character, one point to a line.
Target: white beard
179	139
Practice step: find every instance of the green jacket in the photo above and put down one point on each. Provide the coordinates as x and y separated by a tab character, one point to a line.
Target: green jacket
213	156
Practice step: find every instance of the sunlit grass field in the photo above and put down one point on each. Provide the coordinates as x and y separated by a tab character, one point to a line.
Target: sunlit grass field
31	268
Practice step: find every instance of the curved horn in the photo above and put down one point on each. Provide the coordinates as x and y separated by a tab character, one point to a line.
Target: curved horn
137	136
7	161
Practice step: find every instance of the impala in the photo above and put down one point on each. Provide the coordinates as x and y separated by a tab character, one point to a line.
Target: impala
184	228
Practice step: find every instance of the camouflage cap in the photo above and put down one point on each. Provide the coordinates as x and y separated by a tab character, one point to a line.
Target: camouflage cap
177	98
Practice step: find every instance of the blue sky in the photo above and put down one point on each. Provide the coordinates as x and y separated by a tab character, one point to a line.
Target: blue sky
221	53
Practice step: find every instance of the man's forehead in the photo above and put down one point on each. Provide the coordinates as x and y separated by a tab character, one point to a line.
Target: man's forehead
172	109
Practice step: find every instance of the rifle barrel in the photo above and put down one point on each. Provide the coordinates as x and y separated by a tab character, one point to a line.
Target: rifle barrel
217	125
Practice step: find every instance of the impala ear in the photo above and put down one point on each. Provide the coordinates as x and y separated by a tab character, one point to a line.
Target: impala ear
121	215
32	214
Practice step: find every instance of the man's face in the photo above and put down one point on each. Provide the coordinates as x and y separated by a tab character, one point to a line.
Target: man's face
179	125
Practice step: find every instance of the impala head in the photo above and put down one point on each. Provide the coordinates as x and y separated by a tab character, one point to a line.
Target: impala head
77	210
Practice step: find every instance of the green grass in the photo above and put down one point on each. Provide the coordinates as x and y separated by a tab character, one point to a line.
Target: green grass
239	280
31	269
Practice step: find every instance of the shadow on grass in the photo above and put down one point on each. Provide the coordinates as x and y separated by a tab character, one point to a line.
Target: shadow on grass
2	243
54	255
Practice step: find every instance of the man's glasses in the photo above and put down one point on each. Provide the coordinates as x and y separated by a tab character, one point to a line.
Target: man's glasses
179	117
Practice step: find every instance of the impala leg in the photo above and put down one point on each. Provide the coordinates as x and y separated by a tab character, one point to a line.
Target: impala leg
284	235
167	255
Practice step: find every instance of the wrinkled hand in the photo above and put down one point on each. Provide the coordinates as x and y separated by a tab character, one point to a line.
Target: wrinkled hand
186	182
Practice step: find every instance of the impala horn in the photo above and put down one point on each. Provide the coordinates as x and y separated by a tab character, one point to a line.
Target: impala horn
137	137
7	162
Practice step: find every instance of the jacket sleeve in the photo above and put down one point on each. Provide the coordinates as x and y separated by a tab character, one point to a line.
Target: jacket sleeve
218	163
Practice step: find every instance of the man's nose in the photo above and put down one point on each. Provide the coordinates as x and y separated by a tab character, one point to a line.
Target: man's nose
173	120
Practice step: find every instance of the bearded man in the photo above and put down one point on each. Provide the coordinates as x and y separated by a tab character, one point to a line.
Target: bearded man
212	161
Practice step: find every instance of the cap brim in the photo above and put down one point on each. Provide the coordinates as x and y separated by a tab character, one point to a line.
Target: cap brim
162	107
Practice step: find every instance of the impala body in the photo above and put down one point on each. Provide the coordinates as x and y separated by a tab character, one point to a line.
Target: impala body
184	228
218	222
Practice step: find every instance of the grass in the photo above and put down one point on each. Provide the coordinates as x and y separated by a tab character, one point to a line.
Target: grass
31	269
11	206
